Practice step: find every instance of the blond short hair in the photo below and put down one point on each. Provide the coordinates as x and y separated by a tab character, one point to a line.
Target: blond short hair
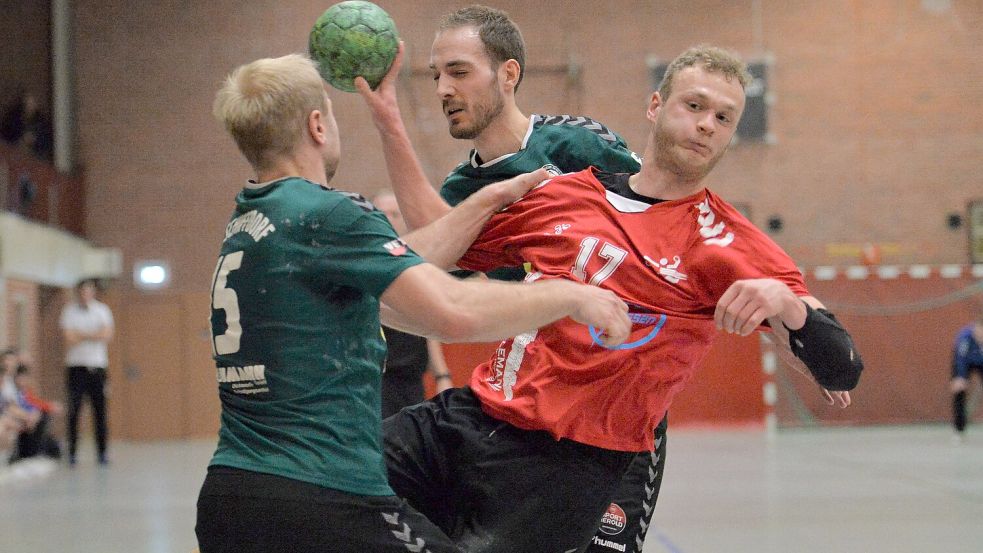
710	58
265	104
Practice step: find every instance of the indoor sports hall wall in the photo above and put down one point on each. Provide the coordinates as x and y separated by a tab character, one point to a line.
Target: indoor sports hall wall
873	117
870	115
32	188
904	320
874	128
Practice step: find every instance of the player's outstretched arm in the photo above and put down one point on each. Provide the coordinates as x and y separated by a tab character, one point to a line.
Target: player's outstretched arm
444	241
417	199
425	300
779	337
814	334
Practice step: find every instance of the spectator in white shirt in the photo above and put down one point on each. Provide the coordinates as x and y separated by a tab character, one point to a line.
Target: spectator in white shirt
87	325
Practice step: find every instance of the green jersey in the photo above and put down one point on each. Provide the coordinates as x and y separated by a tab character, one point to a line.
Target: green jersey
296	334
568	143
562	143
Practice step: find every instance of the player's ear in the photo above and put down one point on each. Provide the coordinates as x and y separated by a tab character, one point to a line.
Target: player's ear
654	104
511	70
315	126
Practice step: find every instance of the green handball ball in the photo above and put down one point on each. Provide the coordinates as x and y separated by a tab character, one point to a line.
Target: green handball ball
352	39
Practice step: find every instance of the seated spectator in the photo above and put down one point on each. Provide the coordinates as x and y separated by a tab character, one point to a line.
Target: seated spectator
32	437
10	425
40	441
8	388
27	386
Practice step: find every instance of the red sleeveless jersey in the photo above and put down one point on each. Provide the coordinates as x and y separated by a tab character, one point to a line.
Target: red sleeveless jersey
670	262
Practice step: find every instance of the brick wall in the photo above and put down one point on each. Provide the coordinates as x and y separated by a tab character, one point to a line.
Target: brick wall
57	199
877	112
33	328
904	321
23	318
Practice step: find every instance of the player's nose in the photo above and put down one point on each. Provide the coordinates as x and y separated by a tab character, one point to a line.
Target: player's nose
444	87
706	123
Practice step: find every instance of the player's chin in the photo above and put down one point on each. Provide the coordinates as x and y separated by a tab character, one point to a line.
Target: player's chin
462	132
696	168
697	159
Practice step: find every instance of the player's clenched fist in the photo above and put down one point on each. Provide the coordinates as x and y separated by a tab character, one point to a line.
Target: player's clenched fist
747	303
605	311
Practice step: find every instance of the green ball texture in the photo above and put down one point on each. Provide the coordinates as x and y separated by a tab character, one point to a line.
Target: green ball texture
354	39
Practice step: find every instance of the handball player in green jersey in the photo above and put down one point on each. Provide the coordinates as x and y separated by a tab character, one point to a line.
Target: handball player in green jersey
295	318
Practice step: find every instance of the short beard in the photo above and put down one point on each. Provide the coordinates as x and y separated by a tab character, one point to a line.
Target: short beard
483	115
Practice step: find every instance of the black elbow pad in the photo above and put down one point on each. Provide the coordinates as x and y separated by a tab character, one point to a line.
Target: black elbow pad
827	350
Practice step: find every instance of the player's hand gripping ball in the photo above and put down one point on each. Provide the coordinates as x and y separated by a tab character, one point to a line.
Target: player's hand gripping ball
352	39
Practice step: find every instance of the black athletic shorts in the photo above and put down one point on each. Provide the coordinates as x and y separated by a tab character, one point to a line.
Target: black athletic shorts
248	512
492	487
628	517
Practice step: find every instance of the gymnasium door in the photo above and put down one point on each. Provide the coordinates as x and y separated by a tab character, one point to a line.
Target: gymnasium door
149	384
161	369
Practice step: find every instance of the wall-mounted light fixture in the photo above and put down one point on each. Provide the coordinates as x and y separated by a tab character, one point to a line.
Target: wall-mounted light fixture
151	275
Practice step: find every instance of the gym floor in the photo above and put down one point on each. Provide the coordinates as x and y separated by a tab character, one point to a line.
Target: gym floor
866	490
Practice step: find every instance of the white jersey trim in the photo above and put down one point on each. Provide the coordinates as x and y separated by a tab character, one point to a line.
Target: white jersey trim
514	362
525	142
625	205
251	184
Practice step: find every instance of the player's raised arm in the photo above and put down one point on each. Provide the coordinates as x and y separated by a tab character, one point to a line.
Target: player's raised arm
418	200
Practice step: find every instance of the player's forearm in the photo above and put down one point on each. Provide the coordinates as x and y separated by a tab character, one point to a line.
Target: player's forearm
444	241
793	315
826	348
418	201
428	302
497	310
